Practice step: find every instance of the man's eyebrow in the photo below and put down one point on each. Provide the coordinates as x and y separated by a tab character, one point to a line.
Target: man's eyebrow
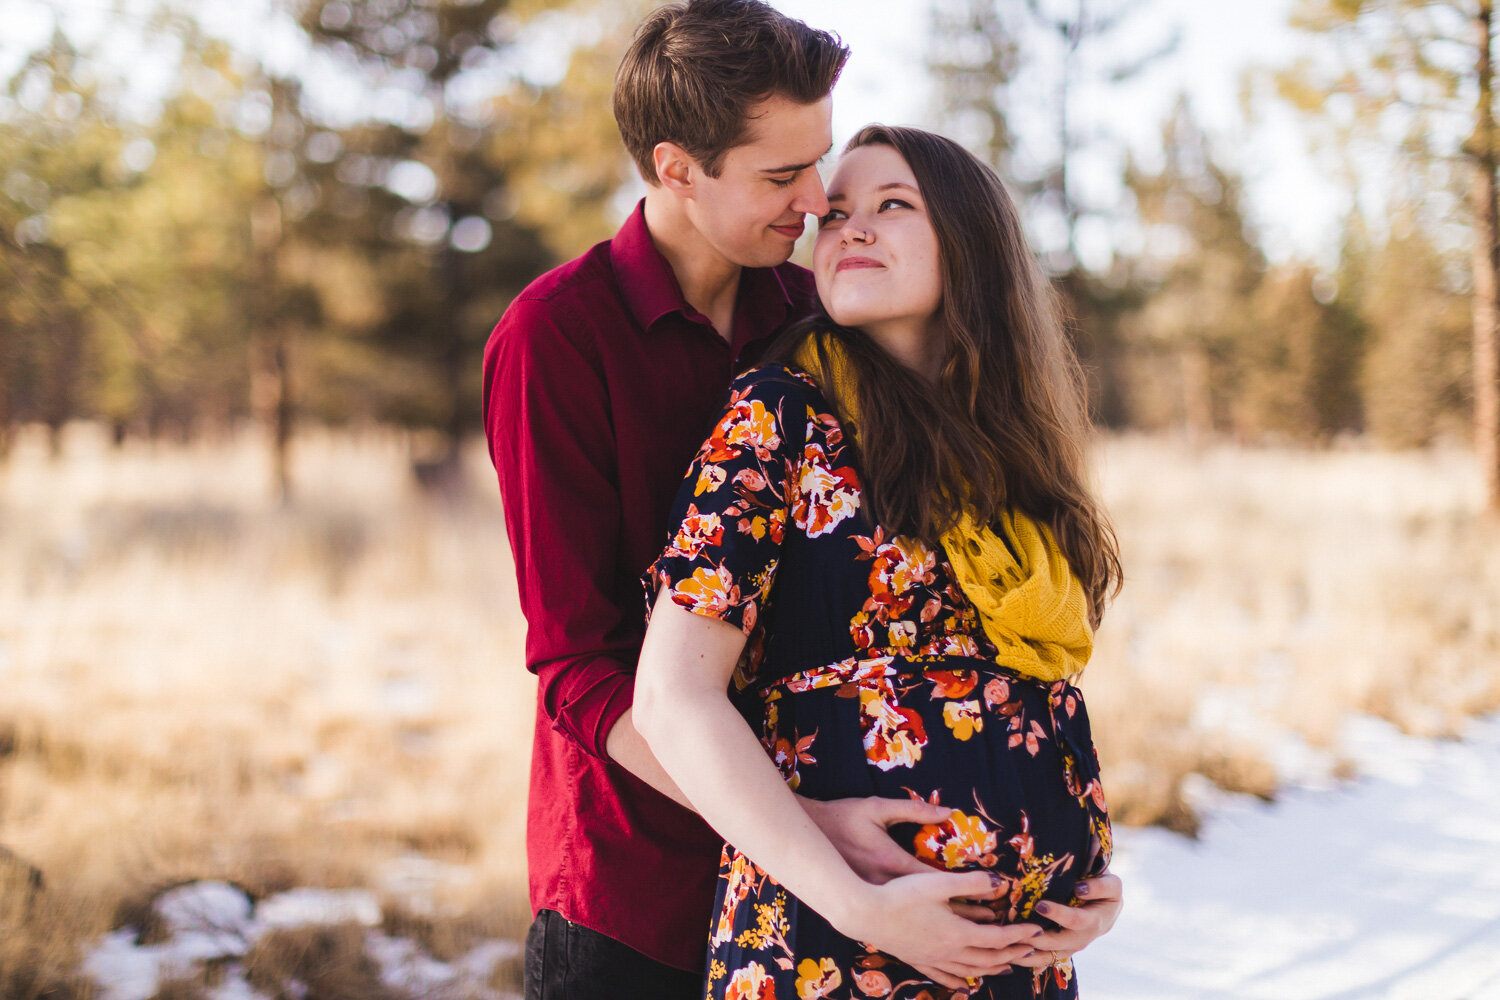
839	195
796	167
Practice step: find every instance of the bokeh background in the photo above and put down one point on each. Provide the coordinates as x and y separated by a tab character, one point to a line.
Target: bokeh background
257	614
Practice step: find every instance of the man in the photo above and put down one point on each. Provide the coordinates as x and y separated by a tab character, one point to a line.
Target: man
601	381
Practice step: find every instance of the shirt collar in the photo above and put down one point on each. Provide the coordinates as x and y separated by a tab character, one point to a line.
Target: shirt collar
651	290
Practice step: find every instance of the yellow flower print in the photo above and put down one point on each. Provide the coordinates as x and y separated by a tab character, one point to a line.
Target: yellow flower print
960	841
710	479
752	425
708	590
817	978
964	718
902	635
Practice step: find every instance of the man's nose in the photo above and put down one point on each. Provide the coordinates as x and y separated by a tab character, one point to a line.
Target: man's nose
811	198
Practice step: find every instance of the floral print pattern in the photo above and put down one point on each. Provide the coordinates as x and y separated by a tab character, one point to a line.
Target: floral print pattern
865	672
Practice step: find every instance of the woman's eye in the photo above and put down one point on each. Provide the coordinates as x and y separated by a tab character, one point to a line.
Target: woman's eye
894	201
833	216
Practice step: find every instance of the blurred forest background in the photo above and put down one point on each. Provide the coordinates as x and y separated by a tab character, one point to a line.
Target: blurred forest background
328	237
257	619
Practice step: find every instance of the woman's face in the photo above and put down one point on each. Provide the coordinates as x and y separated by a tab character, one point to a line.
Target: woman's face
876	258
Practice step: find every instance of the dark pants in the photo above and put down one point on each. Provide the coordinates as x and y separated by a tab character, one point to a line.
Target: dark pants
565	961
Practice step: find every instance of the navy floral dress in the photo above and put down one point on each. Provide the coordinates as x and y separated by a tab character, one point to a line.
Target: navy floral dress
866	672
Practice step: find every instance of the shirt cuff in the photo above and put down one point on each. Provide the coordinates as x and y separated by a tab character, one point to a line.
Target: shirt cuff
584	698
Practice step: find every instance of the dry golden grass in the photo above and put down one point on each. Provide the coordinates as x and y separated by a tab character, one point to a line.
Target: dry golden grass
1271	592
198	683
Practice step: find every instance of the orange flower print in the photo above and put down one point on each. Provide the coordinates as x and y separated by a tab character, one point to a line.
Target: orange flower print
894	736
911	564
873	983
709	479
751	425
817	978
824	495
788	754
752	982
747	424
952	683
741	881
963	717
708	591
961	841
697	532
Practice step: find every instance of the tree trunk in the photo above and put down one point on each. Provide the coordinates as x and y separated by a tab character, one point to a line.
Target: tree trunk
270	389
1486	267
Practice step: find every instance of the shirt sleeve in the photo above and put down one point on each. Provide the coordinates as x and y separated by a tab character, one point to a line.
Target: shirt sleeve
546	414
733	508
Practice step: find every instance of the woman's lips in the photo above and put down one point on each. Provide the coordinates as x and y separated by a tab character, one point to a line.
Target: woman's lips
849	263
791	230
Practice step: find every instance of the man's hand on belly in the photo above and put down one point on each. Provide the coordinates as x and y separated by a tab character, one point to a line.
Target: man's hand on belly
860	830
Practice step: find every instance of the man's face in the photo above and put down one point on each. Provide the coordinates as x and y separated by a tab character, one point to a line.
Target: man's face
752	213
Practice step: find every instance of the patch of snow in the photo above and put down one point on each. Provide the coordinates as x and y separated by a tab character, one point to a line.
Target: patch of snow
123	969
1382	889
420	883
234	986
317	907
206	920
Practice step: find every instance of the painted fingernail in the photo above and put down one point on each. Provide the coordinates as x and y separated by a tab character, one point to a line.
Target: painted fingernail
996	882
1081	889
1044	908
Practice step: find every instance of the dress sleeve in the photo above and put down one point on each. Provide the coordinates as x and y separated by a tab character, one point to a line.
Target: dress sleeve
732	510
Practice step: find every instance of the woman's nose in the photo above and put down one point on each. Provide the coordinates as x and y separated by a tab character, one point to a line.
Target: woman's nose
855	232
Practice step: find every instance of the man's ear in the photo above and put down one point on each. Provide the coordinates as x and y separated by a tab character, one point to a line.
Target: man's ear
675	169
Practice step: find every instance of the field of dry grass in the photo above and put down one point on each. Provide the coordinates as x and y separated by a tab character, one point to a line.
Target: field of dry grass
198	683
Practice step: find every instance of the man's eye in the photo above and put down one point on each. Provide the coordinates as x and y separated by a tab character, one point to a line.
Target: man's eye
782	182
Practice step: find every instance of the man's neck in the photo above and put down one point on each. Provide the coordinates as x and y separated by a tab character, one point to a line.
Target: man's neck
708	280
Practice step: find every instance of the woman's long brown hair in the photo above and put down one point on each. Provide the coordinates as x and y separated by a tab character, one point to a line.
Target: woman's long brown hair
1006	425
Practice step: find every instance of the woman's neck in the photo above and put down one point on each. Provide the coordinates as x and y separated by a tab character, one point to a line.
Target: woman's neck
912	343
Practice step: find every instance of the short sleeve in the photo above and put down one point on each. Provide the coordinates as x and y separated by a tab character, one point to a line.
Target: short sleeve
732	511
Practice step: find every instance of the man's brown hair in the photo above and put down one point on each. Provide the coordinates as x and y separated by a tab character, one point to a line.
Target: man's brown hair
696	68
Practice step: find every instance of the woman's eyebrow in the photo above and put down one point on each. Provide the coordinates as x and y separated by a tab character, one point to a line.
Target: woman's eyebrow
839	195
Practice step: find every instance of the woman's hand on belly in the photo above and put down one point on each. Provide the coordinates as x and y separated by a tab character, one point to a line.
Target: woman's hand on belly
1079	925
911	918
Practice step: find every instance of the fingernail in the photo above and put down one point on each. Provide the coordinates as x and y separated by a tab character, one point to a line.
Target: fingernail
996	882
1081	889
1004	972
1044	908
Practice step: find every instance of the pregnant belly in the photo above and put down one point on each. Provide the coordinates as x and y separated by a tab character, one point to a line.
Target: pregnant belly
1014	758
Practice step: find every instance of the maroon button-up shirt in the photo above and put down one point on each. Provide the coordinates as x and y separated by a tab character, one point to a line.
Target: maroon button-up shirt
600	383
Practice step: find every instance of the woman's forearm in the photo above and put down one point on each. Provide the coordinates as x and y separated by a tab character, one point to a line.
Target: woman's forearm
707	748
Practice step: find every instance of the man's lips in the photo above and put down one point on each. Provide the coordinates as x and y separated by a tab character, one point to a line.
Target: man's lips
791	229
851	263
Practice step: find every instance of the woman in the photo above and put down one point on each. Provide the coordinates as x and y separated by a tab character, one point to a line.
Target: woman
888	543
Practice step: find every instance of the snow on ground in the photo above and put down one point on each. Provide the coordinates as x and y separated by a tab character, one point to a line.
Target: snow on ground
209	921
1385	888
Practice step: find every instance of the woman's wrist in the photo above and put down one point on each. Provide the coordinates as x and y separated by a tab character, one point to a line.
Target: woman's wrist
850	904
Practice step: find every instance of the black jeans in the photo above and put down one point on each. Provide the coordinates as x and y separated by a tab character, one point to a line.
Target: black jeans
566	961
